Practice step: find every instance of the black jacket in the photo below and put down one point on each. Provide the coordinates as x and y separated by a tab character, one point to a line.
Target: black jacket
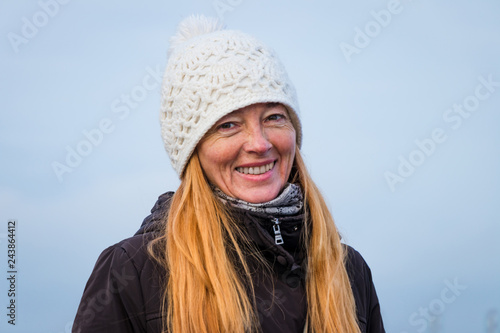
123	293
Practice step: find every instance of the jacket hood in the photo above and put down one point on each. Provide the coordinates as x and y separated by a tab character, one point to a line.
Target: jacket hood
154	221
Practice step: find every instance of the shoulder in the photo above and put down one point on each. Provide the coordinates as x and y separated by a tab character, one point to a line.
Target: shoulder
132	250
360	276
125	262
132	254
129	262
123	292
355	263
363	289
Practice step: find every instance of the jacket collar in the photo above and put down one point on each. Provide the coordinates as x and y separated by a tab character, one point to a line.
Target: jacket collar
259	227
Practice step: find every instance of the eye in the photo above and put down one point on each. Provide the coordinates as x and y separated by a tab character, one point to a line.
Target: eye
276	117
226	126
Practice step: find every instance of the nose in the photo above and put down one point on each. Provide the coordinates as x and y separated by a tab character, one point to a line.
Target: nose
257	141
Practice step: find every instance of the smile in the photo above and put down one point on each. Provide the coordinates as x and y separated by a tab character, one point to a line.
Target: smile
256	170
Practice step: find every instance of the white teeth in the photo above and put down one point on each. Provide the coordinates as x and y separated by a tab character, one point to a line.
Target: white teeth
256	170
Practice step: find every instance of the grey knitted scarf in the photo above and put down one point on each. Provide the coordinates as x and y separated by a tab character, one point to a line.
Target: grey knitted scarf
289	202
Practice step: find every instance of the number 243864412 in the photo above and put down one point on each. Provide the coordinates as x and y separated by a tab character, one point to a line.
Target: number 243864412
11	235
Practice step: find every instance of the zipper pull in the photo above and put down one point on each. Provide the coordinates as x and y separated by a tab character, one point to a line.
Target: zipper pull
278	240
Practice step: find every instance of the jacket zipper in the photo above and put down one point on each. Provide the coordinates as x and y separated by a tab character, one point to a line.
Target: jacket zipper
278	240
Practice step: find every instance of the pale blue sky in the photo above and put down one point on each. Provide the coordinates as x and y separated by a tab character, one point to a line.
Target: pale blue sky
359	116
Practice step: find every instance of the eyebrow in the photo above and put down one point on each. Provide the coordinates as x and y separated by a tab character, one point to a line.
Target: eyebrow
269	105
233	113
272	104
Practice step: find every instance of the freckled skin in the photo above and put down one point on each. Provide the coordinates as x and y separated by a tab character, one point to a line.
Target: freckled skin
252	136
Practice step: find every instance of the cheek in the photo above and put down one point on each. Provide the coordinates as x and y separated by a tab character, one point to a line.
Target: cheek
285	143
215	157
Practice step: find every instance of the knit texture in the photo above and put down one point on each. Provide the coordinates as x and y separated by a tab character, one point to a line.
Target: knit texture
210	73
289	202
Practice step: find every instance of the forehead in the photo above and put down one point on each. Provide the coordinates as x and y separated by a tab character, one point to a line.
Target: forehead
254	107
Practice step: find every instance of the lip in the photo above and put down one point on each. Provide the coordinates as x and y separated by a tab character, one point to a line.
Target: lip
252	165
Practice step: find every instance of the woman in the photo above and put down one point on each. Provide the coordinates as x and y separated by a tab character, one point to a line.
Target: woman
246	244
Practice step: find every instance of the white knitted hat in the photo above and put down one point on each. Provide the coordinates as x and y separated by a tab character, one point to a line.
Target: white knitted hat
210	73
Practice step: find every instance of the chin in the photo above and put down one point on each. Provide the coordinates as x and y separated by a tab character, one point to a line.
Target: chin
260	196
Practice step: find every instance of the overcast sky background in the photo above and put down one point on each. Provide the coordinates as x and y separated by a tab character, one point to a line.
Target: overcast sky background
366	99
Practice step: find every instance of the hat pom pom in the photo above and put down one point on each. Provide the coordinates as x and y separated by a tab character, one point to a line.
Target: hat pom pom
192	26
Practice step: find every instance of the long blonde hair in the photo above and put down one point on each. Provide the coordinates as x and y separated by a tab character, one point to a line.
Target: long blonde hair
209	287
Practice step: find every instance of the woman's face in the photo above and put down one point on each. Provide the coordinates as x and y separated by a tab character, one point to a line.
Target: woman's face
249	153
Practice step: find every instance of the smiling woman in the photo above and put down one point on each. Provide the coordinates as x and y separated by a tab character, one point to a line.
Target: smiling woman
246	243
